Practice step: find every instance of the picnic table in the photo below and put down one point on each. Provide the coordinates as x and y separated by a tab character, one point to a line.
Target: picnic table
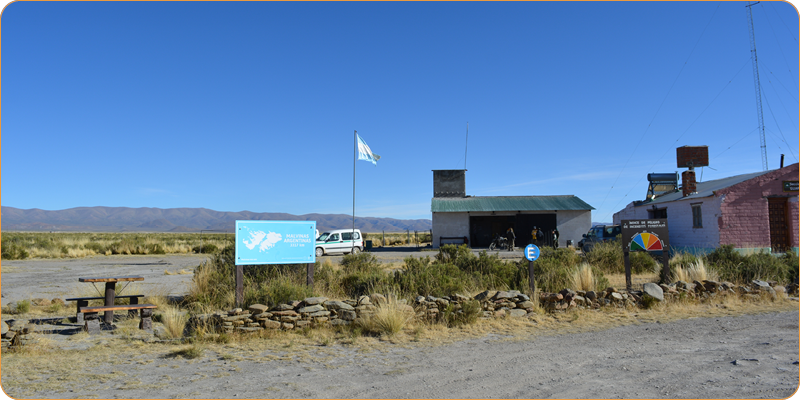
110	290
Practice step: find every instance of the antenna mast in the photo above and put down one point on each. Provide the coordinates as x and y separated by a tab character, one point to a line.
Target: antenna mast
758	87
465	147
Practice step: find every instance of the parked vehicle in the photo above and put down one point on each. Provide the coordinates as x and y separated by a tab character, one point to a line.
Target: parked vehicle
598	234
339	241
498	242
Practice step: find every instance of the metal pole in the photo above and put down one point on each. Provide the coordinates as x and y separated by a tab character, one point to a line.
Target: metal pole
531	280
355	153
626	259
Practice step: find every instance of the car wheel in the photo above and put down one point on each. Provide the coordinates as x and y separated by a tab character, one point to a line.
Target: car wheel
319	252
356	250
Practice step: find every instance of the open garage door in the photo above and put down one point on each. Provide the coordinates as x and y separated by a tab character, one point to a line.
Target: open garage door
483	229
524	224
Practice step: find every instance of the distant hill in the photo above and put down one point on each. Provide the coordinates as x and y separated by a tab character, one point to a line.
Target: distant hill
124	219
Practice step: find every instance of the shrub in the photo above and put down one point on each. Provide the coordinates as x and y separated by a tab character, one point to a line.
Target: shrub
467	314
206	248
607	257
419	276
23	307
388	319
642	261
732	266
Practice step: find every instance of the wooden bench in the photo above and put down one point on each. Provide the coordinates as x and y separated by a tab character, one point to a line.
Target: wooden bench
92	315
457	239
84	301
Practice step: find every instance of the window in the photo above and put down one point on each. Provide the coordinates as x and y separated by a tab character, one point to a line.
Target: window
697	216
334	238
346	236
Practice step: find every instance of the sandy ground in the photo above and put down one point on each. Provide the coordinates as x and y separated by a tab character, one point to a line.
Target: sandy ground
751	356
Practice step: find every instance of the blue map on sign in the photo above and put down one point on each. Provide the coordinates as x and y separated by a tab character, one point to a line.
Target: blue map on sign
275	242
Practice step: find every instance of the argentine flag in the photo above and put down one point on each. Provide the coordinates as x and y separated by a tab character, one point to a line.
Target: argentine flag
364	153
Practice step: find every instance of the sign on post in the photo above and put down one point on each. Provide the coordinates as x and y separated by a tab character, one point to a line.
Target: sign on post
274	242
531	253
645	235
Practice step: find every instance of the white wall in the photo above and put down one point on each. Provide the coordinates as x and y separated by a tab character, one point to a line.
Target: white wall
572	225
449	224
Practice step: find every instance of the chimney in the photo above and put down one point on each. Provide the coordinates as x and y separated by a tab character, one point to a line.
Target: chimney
689	185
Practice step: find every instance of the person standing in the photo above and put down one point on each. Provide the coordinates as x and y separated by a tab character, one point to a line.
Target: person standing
510	237
533	235
555	238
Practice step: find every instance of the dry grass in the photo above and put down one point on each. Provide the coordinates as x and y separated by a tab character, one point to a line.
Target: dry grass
583	278
389	319
696	271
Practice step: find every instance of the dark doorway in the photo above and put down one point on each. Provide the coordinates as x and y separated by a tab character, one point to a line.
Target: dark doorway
778	224
483	229
525	223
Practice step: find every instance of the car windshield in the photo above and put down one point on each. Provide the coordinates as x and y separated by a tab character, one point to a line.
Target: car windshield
324	236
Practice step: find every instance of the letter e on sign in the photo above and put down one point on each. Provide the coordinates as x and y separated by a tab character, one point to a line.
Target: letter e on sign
532	252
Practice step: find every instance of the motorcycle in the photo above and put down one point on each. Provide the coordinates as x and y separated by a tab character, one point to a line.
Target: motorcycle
498	242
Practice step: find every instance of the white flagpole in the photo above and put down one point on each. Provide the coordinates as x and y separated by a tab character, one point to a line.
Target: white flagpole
355	156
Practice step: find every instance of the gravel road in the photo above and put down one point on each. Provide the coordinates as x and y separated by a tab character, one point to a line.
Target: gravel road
751	356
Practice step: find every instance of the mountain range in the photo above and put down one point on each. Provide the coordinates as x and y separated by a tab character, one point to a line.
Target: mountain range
125	219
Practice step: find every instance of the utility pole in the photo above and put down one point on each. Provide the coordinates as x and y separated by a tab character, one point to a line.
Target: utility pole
764	165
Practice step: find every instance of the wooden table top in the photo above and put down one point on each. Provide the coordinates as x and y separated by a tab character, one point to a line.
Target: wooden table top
112	279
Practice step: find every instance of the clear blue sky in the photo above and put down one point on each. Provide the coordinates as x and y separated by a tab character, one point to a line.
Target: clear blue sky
252	106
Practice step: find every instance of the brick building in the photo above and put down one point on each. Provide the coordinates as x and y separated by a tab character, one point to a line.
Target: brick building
752	212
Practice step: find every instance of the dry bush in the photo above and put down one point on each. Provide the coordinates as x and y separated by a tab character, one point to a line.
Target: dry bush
389	318
695	271
174	321
583	278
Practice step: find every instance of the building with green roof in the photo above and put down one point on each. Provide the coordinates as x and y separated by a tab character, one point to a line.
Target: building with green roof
459	218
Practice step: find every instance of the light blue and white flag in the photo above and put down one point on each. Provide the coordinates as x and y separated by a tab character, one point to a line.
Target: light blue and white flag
364	152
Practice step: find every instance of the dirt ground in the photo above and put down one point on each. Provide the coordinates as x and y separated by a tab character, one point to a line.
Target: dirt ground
749	356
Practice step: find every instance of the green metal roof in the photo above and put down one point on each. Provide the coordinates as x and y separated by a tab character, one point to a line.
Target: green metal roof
508	203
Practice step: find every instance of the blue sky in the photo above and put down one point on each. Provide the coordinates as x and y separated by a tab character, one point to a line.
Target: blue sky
252	105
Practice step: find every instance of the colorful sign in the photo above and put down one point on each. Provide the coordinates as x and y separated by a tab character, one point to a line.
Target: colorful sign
275	242
646	242
645	234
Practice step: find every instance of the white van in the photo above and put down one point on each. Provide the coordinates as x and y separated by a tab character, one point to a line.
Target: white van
339	241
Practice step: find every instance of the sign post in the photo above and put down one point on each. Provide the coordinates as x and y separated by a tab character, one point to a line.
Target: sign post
274	242
531	253
645	235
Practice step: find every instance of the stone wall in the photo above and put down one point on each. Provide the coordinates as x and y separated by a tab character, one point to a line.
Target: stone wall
321	311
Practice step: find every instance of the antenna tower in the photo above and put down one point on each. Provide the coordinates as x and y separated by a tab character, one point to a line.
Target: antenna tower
758	86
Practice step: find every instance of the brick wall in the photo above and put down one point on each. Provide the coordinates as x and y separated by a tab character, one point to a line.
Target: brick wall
745	210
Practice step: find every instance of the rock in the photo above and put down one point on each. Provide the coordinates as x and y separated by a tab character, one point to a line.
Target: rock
377	298
337	305
235	311
460	298
302	324
503	295
3	328
270	324
58	301
485	295
284	313
40	302
315	300
323	313
264	315
311	309
517	313
363	300
779	289
525	304
500	313
616	296
579	300
711	286
419	299
653	290
284	307
591	295
347	315
257	308
287	325
523	297
610	290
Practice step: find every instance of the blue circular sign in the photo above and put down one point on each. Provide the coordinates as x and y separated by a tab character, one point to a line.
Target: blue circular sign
531	252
